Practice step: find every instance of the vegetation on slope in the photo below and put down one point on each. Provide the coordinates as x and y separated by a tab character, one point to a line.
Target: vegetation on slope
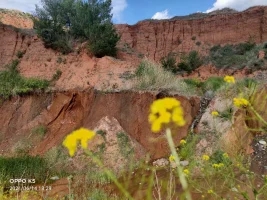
12	83
237	56
59	22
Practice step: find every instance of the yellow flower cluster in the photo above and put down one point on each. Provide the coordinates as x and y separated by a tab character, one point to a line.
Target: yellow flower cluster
186	172
225	155
182	142
210	191
241	102
171	158
163	111
229	79
72	140
217	166
214	113
205	157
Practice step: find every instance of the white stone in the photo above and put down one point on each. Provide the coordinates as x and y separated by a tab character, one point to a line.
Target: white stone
262	142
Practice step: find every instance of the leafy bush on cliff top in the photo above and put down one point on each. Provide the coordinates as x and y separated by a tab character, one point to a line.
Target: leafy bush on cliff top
12	83
90	21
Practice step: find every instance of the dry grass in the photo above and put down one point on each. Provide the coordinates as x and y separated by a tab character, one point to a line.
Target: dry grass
152	77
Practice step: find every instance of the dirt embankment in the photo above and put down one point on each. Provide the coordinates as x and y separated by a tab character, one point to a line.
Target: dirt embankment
63	112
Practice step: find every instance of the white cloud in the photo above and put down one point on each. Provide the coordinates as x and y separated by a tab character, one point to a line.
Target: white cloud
118	7
236	4
161	15
22	5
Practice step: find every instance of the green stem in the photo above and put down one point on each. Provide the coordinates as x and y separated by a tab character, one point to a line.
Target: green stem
258	116
110	174
181	175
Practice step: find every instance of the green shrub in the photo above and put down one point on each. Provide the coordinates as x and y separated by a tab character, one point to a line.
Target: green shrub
190	62
125	147
103	40
57	22
213	84
242	48
186	151
12	83
20	54
141	69
227	114
236	56
102	133
40	130
57	75
219	157
169	63
193	82
198	43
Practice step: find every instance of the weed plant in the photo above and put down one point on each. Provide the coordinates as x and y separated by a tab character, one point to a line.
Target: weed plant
12	83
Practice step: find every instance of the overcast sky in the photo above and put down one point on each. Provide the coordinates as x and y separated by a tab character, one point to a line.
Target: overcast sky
132	11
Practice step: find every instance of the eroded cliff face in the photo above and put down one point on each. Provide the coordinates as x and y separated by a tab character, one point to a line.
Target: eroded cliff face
61	113
155	39
11	42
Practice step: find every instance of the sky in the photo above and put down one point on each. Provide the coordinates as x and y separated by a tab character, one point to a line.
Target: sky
132	11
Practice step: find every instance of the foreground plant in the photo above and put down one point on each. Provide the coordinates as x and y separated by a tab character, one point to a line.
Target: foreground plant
164	112
84	135
243	103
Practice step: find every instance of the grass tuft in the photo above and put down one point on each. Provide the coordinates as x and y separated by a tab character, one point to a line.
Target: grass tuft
150	76
12	83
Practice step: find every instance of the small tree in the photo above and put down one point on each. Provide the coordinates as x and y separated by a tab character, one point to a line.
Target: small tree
190	62
57	20
93	22
50	21
169	63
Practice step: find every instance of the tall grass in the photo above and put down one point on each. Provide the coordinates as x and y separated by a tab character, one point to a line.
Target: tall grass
24	167
12	83
152	77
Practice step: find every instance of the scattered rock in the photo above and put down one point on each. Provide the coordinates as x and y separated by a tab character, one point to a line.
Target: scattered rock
54	178
184	163
262	142
162	162
202	143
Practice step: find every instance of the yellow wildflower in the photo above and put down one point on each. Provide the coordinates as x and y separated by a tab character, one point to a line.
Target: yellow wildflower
210	192
225	155
171	158
214	113
229	79
221	165
186	172
205	157
72	140
182	142
164	111
217	166
241	102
